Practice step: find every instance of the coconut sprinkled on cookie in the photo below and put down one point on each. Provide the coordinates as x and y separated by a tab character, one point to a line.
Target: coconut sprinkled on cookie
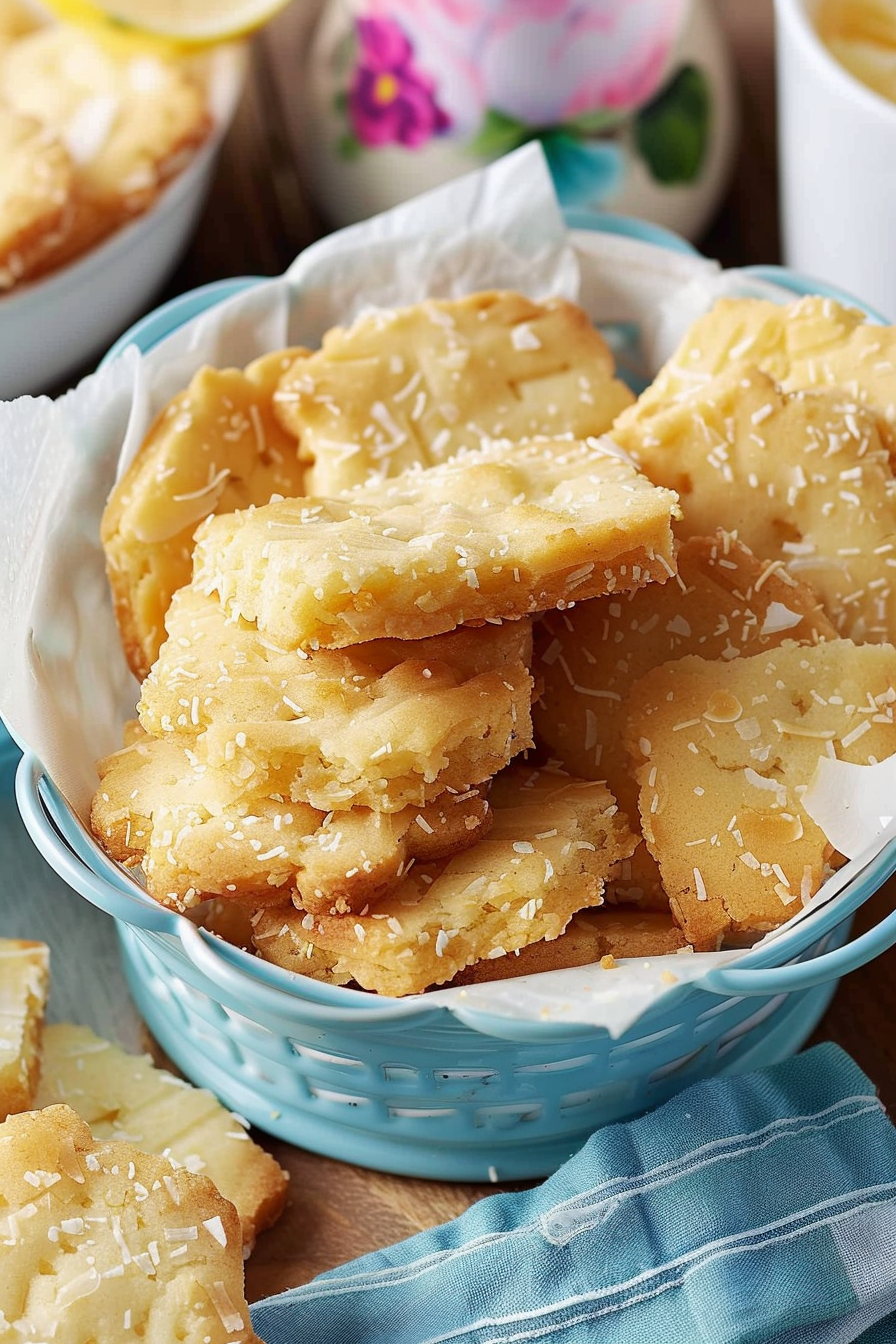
124	1097
723	603
387	724
215	447
414	385
347	670
814	343
492	534
804	477
551	845
101	1241
724	753
158	807
24	974
36	195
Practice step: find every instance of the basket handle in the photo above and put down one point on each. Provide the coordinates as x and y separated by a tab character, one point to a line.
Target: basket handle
73	853
804	974
64	842
269	989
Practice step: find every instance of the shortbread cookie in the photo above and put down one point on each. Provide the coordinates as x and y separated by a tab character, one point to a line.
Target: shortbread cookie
214	448
279	936
36	194
128	122
158	809
388	724
723	603
725	752
501	532
590	935
24	977
265	373
812	343
551	845
805	478
414	385
124	1097
101	1242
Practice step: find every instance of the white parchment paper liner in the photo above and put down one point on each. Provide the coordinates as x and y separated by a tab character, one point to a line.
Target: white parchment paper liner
64	688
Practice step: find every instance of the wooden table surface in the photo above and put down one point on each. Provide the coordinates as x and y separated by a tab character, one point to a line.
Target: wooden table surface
258	217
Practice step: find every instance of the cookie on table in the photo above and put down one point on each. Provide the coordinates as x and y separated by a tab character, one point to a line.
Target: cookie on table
414	385
552	842
389	724
497	533
102	1242
724	753
215	447
804	477
171	815
812	343
129	122
36	194
124	1097
24	979
609	931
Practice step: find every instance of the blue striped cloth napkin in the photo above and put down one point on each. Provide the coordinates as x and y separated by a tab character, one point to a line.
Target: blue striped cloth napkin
751	1210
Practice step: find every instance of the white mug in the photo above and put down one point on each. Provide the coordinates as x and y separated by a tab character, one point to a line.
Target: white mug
837	161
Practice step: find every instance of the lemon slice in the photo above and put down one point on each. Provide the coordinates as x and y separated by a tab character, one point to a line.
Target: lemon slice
871	21
176	22
872	65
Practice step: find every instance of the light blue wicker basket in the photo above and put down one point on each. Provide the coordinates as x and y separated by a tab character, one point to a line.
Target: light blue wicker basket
404	1085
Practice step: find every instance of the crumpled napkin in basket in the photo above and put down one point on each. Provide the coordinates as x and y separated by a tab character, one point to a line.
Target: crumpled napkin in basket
751	1210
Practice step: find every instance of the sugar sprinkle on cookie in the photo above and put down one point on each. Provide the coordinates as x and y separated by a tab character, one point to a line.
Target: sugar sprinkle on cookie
493	534
724	753
125	1097
412	386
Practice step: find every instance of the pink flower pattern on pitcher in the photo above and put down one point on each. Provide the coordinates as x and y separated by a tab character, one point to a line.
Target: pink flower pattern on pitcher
541	62
390	100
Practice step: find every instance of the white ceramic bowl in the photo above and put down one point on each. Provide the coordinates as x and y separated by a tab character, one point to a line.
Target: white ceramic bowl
53	326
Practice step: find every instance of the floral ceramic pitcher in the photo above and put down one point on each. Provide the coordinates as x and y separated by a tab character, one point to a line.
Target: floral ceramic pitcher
631	99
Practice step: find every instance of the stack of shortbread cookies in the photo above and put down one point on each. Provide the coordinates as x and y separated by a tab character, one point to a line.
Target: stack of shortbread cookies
360	584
